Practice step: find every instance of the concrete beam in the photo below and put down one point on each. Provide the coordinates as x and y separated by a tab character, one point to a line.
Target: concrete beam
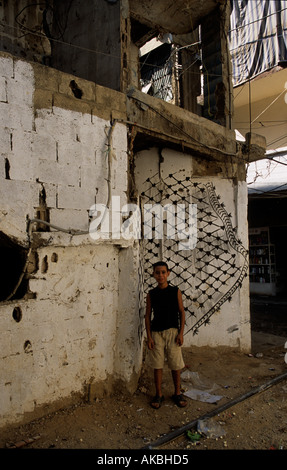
178	127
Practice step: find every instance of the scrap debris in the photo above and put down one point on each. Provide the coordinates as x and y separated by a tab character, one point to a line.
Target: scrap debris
22	443
199	389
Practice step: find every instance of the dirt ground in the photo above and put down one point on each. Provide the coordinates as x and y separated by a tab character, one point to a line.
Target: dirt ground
128	422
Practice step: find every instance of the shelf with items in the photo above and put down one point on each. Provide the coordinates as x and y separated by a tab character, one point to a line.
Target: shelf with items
262	268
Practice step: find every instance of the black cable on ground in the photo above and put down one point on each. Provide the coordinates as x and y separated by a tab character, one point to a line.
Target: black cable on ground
178	432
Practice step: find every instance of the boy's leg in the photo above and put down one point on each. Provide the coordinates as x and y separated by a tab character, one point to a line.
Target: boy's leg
158	381
157	362
156	402
176	364
178	397
176	381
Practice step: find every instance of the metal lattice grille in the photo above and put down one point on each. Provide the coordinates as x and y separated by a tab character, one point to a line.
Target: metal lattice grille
209	274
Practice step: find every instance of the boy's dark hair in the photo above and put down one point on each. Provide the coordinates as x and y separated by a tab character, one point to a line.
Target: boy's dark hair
160	263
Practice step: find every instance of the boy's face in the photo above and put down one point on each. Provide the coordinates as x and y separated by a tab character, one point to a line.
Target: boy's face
161	274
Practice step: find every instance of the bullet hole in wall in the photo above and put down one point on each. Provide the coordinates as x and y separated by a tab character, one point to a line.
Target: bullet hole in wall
44	265
17	314
7	169
54	258
13	258
77	92
28	347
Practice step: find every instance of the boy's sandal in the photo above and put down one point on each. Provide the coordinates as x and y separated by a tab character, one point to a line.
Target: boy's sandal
156	402
179	400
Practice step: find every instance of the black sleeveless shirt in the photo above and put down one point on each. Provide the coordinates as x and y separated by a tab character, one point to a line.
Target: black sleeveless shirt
164	305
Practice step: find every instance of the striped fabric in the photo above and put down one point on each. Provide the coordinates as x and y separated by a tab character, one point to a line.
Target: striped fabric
257	37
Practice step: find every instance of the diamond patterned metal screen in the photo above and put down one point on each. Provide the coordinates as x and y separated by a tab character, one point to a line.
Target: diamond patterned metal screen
207	275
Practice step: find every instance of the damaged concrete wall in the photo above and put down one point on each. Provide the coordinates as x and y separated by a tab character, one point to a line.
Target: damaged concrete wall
76	324
23	28
86	50
57	160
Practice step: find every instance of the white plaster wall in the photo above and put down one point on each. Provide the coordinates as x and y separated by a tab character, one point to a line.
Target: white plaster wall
230	326
65	151
81	331
67	326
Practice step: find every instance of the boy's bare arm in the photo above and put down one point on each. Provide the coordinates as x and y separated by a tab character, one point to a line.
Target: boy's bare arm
148	322
179	338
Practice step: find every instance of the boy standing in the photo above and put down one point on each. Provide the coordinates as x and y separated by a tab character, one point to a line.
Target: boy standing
165	332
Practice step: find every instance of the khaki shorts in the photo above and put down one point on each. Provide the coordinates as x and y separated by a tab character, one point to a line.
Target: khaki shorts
164	344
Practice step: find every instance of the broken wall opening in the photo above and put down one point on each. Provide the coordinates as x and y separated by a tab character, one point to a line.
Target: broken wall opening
189	70
170	68
13	258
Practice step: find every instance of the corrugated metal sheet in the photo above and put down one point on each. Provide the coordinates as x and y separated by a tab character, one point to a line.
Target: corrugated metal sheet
257	37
